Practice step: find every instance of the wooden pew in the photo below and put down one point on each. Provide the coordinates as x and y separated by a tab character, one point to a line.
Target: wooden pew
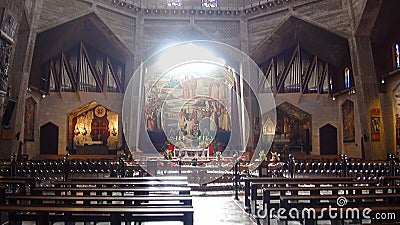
286	198
21	183
44	215
70	200
119	184
110	190
389	180
254	184
154	199
128	179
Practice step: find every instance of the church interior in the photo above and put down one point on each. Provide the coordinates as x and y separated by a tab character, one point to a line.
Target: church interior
200	111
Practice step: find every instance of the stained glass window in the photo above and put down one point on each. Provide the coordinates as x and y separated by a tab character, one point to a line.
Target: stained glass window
347	82
174	2
209	3
397	55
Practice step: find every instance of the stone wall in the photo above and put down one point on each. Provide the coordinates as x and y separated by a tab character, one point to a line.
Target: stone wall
56	108
143	34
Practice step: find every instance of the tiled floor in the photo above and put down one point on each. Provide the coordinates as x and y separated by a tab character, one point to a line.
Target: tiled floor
218	211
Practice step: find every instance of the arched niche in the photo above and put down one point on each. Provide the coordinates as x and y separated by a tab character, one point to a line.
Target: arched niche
49	139
293	129
328	140
92	129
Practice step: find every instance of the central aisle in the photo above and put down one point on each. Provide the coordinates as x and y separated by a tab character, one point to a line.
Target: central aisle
215	210
218	211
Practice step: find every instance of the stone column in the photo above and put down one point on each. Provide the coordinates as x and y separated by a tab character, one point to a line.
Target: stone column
367	94
10	23
20	80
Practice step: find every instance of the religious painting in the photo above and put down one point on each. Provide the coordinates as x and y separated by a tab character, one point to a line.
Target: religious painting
94	125
397	115
174	2
375	124
29	120
348	121
293	130
397	131
5	53
190	105
209	3
397	55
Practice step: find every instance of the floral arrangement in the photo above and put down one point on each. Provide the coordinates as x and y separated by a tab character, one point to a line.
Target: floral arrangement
262	156
275	157
168	154
218	155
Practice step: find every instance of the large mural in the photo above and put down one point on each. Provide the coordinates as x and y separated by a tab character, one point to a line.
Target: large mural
190	107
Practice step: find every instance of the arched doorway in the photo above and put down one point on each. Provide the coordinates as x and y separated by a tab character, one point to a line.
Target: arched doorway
328	140
49	139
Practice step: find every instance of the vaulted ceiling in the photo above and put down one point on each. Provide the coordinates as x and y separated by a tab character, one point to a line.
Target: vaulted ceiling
317	41
88	29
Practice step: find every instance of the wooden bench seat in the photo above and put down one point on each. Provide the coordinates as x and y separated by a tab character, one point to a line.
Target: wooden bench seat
110	190
252	184
69	200
313	213
390	180
325	200
108	200
120	183
257	187
128	179
114	214
18	184
301	197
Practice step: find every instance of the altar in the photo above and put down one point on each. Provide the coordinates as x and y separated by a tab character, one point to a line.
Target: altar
93	149
192	152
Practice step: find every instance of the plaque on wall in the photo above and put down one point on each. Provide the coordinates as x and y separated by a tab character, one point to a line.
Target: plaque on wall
6	134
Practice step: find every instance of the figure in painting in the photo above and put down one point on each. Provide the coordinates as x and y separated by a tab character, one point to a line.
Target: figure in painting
186	84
